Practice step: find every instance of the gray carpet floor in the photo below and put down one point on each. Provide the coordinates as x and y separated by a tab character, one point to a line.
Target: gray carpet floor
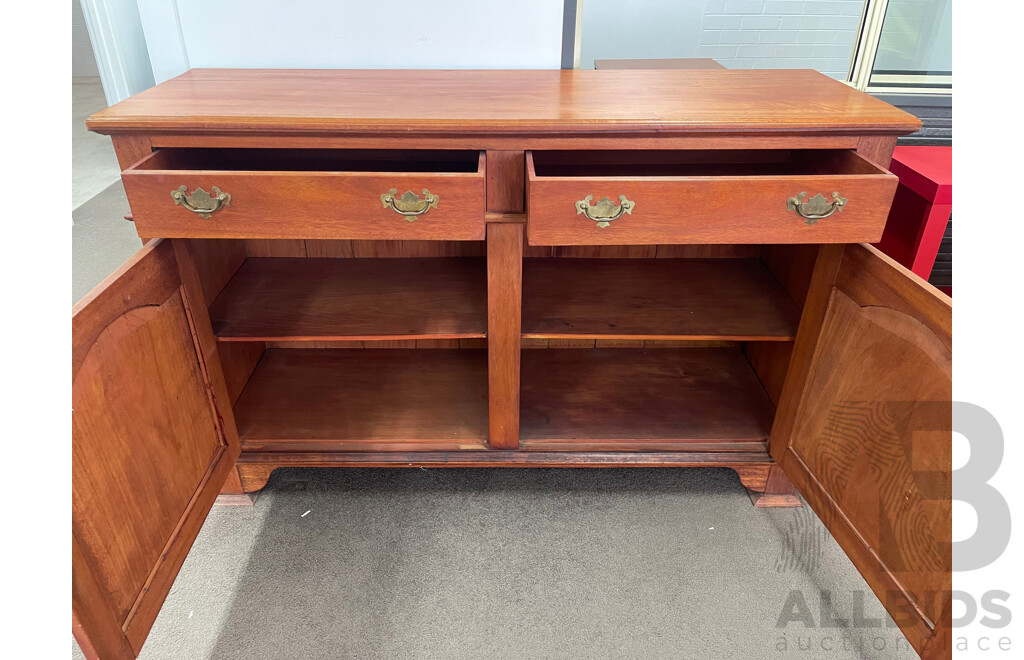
490	563
101	239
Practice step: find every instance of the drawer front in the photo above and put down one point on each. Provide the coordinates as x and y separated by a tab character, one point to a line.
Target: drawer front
714	209
282	204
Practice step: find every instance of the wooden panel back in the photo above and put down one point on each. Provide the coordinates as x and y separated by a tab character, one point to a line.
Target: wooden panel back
149	447
132	380
871	442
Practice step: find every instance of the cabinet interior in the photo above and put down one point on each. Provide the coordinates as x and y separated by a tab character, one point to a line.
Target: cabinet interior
697	163
311	160
381	345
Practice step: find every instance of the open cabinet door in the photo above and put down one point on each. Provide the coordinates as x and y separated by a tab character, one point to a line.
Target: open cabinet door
864	431
150	449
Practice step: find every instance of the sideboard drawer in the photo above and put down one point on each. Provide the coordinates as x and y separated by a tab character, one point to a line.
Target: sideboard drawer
723	196
308	193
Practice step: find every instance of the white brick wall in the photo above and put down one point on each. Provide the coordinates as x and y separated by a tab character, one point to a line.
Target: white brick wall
782	34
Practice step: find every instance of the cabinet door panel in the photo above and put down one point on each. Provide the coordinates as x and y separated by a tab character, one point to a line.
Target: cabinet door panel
149	449
871	441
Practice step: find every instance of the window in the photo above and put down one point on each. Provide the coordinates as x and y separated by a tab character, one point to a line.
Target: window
905	47
892	47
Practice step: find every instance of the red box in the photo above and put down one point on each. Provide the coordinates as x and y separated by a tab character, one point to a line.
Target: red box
920	211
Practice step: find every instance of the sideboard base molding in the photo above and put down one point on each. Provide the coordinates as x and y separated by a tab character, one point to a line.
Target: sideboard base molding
235	499
753	468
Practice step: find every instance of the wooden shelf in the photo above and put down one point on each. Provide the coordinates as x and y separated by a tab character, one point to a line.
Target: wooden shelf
365	400
642	400
281	299
673	299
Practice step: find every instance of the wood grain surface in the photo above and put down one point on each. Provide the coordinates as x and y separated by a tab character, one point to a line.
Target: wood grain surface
267	101
150	448
685	203
504	325
293	299
299	204
655	299
871	440
626	396
337	399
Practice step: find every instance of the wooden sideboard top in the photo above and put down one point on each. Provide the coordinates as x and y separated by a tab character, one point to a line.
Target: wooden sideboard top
502	102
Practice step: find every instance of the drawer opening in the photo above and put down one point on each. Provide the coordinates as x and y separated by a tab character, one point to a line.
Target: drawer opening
312	160
696	163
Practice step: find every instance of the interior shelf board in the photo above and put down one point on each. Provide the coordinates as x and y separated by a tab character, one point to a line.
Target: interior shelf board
370	400
657	299
296	299
638	398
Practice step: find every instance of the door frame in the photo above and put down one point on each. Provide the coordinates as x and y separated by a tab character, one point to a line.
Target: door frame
109	49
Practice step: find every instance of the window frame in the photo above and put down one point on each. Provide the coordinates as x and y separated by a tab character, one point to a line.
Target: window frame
865	51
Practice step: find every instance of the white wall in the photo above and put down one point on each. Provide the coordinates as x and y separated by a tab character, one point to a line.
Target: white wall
120	47
185	34
83	64
642	29
132	44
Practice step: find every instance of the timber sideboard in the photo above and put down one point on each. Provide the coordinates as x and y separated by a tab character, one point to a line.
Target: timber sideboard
507	268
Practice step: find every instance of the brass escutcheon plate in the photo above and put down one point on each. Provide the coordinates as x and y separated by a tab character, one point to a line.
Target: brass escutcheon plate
605	210
201	202
409	205
815	208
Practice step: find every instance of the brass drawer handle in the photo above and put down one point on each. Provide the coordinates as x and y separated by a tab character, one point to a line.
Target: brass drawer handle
605	210
816	208
410	205
200	201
